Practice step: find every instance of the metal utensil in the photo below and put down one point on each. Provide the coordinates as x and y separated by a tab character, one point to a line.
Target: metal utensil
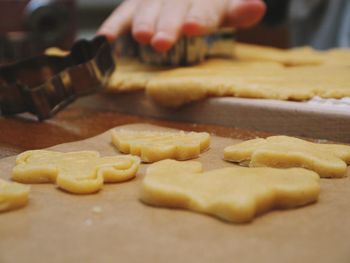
187	50
45	84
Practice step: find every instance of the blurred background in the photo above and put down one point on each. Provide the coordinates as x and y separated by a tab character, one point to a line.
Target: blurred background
29	26
92	13
272	31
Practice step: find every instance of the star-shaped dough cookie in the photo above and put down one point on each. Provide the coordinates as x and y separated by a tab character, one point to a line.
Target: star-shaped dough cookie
154	146
12	195
76	172
328	160
235	194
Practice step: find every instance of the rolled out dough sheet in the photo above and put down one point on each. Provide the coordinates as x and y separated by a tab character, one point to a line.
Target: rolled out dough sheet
241	79
257	72
114	225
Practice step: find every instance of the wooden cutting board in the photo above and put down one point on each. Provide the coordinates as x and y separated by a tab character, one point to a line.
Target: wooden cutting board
291	118
61	227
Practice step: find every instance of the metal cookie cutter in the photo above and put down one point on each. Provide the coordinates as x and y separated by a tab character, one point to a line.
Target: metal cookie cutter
187	51
45	84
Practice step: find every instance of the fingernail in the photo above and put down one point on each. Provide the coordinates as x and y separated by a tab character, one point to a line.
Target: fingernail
162	41
143	33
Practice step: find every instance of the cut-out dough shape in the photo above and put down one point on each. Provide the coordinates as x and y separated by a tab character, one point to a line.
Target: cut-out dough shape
12	195
81	172
154	146
235	194
328	160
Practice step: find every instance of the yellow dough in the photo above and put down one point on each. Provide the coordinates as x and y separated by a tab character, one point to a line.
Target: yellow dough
154	146
56	51
294	57
76	172
256	72
220	78
288	57
132	75
235	194
328	160
12	195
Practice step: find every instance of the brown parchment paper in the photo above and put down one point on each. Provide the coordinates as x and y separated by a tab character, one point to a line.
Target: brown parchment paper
59	227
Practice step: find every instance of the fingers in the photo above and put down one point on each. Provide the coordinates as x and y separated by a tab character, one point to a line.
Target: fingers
244	13
169	24
161	22
204	17
119	21
145	20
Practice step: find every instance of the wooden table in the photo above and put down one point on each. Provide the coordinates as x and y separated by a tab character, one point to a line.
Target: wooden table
81	120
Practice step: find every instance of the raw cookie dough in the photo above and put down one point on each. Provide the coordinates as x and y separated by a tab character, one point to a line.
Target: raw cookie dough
132	75
76	172
256	72
154	146
221	78
328	160
235	194
300	56
293	57
12	195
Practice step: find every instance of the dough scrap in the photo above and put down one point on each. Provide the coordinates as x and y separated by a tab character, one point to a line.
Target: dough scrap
12	195
235	194
154	146
81	172
328	160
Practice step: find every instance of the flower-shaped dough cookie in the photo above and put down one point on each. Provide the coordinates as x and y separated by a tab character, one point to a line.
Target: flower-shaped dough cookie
76	172
235	194
12	195
328	160
154	146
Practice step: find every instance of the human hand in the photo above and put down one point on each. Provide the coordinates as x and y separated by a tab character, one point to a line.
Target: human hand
161	22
